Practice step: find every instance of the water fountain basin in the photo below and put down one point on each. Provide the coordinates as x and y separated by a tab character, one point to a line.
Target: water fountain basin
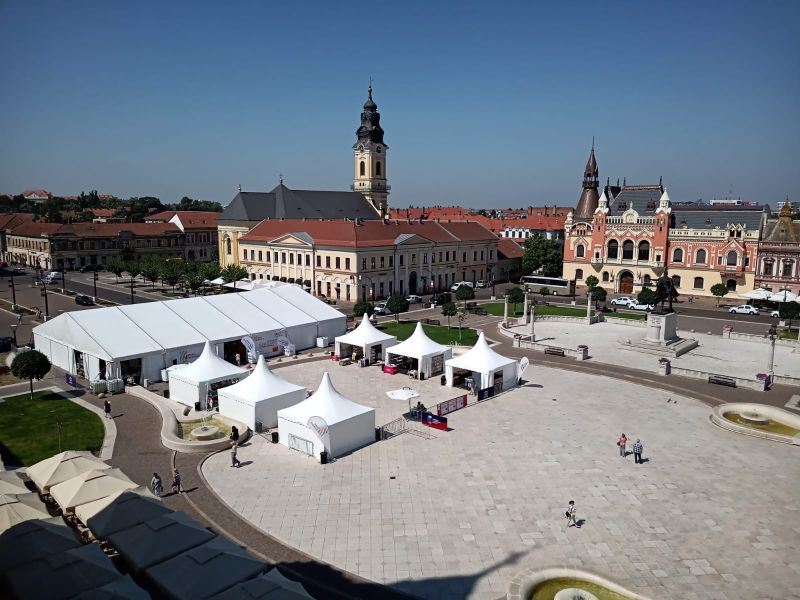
754	418
574	594
205	432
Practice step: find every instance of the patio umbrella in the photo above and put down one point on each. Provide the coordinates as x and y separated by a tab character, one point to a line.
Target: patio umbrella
403	394
783	296
217	281
10	483
34	539
63	466
119	511
90	486
757	294
124	588
16	508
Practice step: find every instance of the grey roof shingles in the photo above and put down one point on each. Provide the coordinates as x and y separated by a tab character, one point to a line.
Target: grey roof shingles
711	218
641	200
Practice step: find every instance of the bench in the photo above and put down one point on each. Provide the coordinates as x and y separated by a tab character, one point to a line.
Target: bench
554	351
722	380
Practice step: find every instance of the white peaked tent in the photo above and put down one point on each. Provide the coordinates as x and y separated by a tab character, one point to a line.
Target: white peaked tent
90	486
63	466
366	337
192	383
326	421
430	355
259	397
487	366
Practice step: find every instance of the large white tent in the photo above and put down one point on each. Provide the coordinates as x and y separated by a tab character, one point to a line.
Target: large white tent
139	341
90	486
487	367
326	421
193	382
259	397
367	338
63	466
119	511
430	356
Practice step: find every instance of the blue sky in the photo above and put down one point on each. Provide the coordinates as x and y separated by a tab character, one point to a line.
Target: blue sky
483	104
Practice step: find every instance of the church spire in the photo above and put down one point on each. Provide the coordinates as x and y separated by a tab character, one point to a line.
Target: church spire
370	130
589	197
370	158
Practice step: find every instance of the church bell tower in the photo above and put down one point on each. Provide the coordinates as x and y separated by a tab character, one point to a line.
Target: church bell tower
370	158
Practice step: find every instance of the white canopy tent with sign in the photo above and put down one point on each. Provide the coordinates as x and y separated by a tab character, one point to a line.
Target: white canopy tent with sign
368	341
430	356
488	368
192	383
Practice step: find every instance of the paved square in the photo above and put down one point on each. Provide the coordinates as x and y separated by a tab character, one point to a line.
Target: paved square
712	514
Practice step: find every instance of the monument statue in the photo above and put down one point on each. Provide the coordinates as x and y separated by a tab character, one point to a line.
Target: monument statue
665	292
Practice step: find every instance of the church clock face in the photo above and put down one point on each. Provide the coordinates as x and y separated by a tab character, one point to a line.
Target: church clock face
378	149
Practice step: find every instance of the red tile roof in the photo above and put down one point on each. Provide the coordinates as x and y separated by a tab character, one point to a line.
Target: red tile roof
509	248
35	229
36	192
88	229
191	219
10	220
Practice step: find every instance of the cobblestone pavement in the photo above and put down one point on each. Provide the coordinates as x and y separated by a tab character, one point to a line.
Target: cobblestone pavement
457	515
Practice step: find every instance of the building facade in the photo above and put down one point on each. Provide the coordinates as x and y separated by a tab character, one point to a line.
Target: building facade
778	261
200	228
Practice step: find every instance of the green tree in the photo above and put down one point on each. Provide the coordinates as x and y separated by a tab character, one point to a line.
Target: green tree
211	270
361	308
30	365
515	296
133	268
192	277
173	272
115	265
449	310
790	311
151	268
591	282
599	294
720	290
233	274
397	304
544	291
542	255
464	293
646	296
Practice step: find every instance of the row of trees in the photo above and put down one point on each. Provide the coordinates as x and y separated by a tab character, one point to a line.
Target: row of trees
190	275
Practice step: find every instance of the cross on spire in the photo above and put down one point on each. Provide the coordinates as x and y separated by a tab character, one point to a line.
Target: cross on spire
280	176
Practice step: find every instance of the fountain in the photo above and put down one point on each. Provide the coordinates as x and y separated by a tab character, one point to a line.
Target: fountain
205	432
760	420
751	417
574	594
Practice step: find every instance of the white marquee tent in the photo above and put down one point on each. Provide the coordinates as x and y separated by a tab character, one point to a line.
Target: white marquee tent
430	355
141	340
326	421
487	366
366	337
193	382
259	397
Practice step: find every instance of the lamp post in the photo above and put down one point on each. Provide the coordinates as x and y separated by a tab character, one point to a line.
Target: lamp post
14	332
772	334
132	292
94	281
46	305
63	280
13	293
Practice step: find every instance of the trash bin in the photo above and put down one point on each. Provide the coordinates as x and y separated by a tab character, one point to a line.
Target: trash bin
259	427
197	406
377	434
443	380
323	457
275	437
421	376
166	393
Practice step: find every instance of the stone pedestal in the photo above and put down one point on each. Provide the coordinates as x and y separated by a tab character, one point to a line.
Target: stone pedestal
661	329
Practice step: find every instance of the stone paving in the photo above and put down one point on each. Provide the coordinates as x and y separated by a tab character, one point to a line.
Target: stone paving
606	343
711	515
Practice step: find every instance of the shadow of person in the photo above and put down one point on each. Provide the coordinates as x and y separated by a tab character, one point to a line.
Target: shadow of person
244	463
580	522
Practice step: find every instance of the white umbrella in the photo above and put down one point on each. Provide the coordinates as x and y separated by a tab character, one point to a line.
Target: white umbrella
783	296
63	466
217	281
16	508
90	486
10	483
757	294
404	394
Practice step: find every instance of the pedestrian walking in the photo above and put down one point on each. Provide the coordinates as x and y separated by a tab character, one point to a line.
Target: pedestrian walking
235	462
177	486
107	408
571	514
238	360
19	318
234	434
637	451
156	485
210	402
622	443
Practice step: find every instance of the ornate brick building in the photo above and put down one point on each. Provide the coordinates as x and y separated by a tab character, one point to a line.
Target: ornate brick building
778	265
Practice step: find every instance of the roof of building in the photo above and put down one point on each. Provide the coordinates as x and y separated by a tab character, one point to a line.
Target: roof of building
191	219
712	217
9	220
509	248
35	229
36	193
782	230
641	198
88	229
367	233
283	203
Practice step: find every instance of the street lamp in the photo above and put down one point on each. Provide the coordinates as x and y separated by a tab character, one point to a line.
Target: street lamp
14	332
132	292
94	281
46	306
63	280
772	334
13	293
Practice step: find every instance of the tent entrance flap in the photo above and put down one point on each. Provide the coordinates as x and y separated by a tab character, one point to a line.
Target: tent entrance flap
404	364
498	381
463	378
132	368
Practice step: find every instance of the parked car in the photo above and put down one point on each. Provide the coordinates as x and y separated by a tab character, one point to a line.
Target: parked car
413	298
775	314
90	268
744	309
380	309
84	300
19	269
623	300
440	299
50	278
481	283
457	285
636	305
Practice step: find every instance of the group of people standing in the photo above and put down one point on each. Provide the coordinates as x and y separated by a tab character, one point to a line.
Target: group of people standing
637	448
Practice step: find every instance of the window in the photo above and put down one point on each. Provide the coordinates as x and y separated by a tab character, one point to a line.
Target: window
372	262
244	254
252	254
283	257
491	254
319	260
274	257
362	169
425	258
605	276
260	256
474	255
767	268
787	268
391	261
676	281
481	254
698	283
700	257
646	280
732	258
464	257
378	169
291	258
338	263
578	273
644	250
627	250
363	264
327	262
677	255
383	261
228	246
580	251
299	259
401	260
308	260
346	264
413	259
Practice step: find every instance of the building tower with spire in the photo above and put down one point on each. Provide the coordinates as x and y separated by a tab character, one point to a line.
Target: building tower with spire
587	203
370	158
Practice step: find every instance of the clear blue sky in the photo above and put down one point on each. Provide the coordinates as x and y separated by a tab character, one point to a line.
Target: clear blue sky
483	104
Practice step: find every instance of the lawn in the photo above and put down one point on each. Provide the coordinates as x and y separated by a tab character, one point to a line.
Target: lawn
496	309
441	334
789	335
29	433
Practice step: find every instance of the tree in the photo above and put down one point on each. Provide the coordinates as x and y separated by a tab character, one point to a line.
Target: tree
591	282
397	304
151	267
132	268
790	311
233	274
115	265
449	310
515	296
361	308
599	294
719	290
544	291
173	271
30	365
542	255
192	277
211	270
646	296
464	293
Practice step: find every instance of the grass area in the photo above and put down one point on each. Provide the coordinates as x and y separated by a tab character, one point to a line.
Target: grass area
548	589
770	426
627	315
789	335
496	309
441	334
29	431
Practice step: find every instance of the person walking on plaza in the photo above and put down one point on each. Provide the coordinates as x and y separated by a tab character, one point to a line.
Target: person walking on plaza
622	443
177	486
637	451
156	485
107	408
19	318
235	462
571	514
238	360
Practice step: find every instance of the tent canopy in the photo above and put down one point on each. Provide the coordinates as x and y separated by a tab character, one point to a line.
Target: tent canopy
90	486
295	295
10	483
366	335
208	367
419	344
243	313
63	466
31	540
480	358
161	324
327	403
16	508
119	511
260	384
282	311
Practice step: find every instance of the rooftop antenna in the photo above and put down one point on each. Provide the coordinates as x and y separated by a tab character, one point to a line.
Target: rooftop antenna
240	187
280	176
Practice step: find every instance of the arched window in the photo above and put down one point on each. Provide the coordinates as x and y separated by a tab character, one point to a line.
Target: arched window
767	268
731	285
644	250
646	281
732	258
362	168
676	281
700	258
579	250
627	250
228	246
578	273
677	255
787	268
613	249
378	168
605	276
698	283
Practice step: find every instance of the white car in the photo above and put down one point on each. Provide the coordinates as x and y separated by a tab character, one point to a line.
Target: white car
481	284
622	300
413	298
744	309
775	314
380	309
455	286
636	305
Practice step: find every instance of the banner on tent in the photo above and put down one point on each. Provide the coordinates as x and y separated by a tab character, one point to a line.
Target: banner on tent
320	427
485	393
249	344
523	364
434	421
452	405
187	357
